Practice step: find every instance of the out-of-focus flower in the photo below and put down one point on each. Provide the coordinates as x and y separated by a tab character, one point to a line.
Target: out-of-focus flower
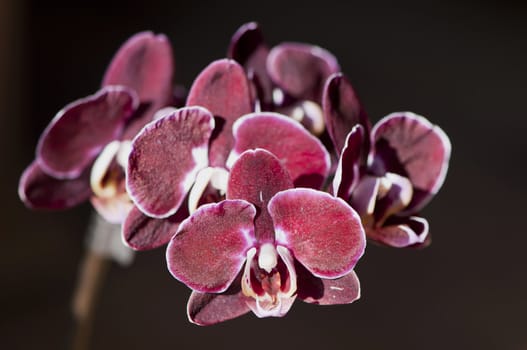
288	78
83	152
387	174
265	245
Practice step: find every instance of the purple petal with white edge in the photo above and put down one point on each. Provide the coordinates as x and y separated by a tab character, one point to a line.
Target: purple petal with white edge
301	69
321	291
401	232
38	190
141	232
323	233
409	145
342	111
256	177
347	172
250	50
145	64
222	88
165	158
210	247
301	154
206	309
80	131
364	195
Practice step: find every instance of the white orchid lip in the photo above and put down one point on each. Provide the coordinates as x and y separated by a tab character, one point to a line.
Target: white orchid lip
102	183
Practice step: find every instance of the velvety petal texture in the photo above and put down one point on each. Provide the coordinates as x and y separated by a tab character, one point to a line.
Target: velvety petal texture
320	291
409	145
323	232
302	154
165	158
210	247
38	190
141	232
342	110
145	64
206	308
301	69
81	130
222	88
256	177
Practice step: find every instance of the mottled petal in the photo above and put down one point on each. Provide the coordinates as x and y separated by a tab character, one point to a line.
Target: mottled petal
256	177
401	232
249	49
142	232
145	64
165	158
301	69
222	88
321	291
38	190
347	172
206	309
80	131
409	145
323	233
210	246
302	154
342	111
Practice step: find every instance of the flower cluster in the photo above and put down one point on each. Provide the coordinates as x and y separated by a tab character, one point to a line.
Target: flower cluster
265	183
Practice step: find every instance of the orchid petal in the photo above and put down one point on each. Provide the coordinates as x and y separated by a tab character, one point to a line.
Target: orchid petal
401	232
38	190
301	69
249	49
364	196
206	309
342	110
145	64
224	90
141	232
80	131
210	246
320	291
347	172
301	154
165	158
409	145
256	177
113	209
323	233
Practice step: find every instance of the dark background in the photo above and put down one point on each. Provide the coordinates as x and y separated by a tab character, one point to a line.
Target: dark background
462	64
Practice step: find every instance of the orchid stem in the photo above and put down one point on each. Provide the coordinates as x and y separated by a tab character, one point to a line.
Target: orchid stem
92	273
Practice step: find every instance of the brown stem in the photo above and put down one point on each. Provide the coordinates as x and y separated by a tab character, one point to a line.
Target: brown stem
92	273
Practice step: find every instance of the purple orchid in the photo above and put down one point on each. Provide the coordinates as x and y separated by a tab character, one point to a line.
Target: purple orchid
288	78
193	148
389	172
192	144
83	152
265	245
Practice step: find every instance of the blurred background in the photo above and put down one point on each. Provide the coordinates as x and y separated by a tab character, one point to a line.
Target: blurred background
462	64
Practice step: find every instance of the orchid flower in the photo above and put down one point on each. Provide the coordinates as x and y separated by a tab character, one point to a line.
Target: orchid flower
265	245
387	174
191	145
83	152
288	78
